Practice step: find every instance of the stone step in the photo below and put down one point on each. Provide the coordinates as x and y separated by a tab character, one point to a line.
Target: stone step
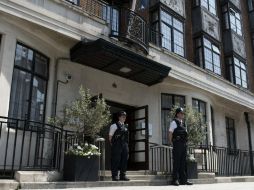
8	184
63	185
143	177
136	172
203	175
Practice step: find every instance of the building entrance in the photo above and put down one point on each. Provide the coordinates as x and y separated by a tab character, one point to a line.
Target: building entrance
137	120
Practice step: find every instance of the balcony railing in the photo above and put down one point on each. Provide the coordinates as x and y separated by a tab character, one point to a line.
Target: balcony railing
128	25
219	160
30	145
125	24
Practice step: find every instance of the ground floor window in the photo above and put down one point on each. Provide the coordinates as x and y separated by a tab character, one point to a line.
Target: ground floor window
230	129
29	84
200	106
167	102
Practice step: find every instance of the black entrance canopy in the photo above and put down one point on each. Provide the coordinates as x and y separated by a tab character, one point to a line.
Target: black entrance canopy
108	57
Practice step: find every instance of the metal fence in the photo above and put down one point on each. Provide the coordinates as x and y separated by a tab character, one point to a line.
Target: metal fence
29	145
219	160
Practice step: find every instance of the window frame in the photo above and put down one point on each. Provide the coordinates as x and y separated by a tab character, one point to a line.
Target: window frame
232	71
199	4
159	35
227	9
200	48
165	128
228	130
33	74
74	2
204	115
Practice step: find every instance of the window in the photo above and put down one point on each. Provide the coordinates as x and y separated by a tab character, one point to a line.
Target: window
250	5
167	102
230	130
29	84
200	106
232	20
210	5
75	2
171	32
238	72
208	55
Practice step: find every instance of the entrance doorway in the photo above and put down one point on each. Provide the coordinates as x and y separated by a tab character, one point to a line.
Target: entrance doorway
137	120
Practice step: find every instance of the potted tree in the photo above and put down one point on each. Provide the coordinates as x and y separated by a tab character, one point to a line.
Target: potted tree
85	117
196	128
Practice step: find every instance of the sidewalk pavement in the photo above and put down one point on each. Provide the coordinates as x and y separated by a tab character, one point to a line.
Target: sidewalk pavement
217	186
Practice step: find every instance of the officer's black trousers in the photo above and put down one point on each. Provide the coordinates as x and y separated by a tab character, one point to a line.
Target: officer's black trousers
179	161
119	158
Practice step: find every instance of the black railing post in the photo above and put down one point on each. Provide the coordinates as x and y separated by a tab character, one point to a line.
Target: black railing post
250	143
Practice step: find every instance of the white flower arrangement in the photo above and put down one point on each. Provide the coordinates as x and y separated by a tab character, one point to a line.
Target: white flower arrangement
83	150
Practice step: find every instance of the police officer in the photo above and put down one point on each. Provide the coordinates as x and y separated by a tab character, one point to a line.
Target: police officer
178	137
118	138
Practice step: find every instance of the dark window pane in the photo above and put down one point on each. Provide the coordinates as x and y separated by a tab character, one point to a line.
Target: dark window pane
38	99
20	90
41	65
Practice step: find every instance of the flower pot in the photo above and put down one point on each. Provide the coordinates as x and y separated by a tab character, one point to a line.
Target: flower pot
192	170
80	168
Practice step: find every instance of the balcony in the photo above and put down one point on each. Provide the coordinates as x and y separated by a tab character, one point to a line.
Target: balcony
126	25
204	21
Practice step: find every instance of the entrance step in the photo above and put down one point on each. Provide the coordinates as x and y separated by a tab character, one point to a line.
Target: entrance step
8	184
63	185
142	177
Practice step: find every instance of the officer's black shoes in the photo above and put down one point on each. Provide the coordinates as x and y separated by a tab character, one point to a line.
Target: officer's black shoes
114	178
187	183
175	183
124	178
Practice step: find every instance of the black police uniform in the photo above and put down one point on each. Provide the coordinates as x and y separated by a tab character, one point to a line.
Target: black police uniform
119	151
179	152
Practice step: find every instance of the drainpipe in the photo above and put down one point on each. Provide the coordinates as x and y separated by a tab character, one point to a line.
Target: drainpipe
250	143
56	83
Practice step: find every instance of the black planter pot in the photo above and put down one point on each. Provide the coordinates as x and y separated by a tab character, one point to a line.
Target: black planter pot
192	170
79	168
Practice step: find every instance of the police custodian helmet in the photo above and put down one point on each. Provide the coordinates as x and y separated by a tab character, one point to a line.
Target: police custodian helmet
120	113
178	110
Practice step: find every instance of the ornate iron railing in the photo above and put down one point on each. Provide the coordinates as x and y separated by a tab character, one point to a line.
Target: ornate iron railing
128	25
219	160
125	24
30	145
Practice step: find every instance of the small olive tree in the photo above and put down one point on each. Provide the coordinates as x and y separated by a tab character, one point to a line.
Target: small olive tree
195	125
84	116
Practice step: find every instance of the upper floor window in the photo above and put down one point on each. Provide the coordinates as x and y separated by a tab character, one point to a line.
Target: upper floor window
232	19
172	33
238	72
168	32
230	130
208	55
250	5
200	106
75	2
167	102
29	84
210	5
